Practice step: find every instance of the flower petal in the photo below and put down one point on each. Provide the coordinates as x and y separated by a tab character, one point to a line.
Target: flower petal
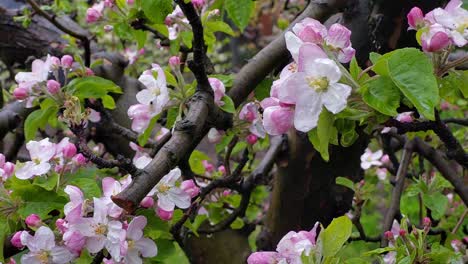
308	108
335	98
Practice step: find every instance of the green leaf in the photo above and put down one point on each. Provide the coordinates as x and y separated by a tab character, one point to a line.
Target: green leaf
374	57
187	37
237	224
345	182
412	72
47	182
195	162
93	87
335	235
239	11
379	251
382	95
89	186
456	80
108	102
123	30
37	119
143	138
4	230
354	68
172	115
262	90
437	202
320	137
140	36
228	105
218	26
348	138
156	10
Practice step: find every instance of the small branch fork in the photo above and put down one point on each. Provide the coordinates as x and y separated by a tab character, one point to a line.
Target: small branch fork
53	19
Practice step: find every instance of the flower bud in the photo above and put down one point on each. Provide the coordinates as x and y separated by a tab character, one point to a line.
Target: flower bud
198	3
67	61
89	72
55	61
93	15
402	233
208	166
20	93
8	169
53	86
69	150
385	159
79	159
109	3
16	239
189	187
252	139
147	202
2	160
214	136
33	221
164	215
405	117
222	169
227	192
174	61
415	18
130	2
108	28
61	225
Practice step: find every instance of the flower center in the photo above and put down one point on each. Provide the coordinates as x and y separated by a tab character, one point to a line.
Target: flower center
100	229
162	188
292	67
37	161
318	84
43	257
131	244
156	91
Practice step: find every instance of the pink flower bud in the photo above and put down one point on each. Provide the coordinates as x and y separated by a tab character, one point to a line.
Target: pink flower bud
198	3
53	86
208	166
89	72
55	61
362	183
20	93
61	225
189	187
405	117
33	221
147	202
108	28
130	2
141	51
427	222
174	61
2	160
8	169
252	139
79	159
168	21
67	61
402	233
226	192
69	150
16	239
388	235
109	3
385	159
415	18
93	15
164	215
222	169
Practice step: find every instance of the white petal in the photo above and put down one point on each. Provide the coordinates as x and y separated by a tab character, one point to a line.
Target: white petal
25	172
145	97
293	43
95	244
179	197
308	53
324	68
288	90
61	255
335	98
147	247
43	238
165	203
135	228
308	110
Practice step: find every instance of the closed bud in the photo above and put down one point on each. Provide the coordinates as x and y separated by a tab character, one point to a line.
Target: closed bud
69	151
16	240
79	159
389	235
53	86
252	139
108	28
20	93
189	187
402	233
164	215
147	202
174	61
33	221
67	61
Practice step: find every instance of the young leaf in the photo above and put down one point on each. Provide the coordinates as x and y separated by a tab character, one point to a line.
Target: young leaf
228	105
345	182
156	10
320	137
335	235
143	138
195	162
382	95
239	11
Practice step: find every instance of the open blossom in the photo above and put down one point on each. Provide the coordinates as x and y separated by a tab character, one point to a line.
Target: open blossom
110	187
251	114
141	158
156	94
141	117
94	13
41	152
136	245
40	71
176	22
169	195
289	250
218	89
76	198
42	248
369	159
314	85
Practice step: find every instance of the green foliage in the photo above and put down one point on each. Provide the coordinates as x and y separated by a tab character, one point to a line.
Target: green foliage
320	137
335	235
382	95
228	105
195	162
156	10
239	11
143	138
262	90
345	182
96	88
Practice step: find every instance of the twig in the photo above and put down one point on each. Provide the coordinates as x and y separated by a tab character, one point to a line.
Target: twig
227	158
398	190
458	121
460	221
52	19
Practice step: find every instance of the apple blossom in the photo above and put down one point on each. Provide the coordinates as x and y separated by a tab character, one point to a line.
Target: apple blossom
112	187
66	61
156	95
169	195
16	240
250	113
278	118
163	214
136	245
218	89
94	13
214	136
42	248
174	61
141	116
20	93
369	159
79	159
190	187
53	86
252	139
41	152
208	166
405	117
198	3
415	18
33	221
76	198
315	85
40	72
435	38
147	202
453	18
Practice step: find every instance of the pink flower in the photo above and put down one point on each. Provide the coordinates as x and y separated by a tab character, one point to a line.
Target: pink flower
163	214
67	61
252	139
40	152
189	187
20	93
136	245
74	241
285	73
315	85
109	3
16	239
79	159
147	202
130	2
53	86
415	18
39	73
369	159
140	115
174	61
61	225
198	3
7	170
264	257
251	114
338	40
33	221
435	39
382	173
222	169
89	72
277	118
453	18
310	30
94	13
42	248
208	166
405	117
112	187
218	89
76	198
169	195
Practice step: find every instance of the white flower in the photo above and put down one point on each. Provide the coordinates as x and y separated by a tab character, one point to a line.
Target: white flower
369	159
156	94
41	152
169	195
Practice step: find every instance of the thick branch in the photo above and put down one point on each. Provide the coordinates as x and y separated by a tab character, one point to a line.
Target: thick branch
398	190
11	115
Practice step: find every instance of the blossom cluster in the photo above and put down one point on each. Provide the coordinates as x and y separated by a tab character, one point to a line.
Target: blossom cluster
441	27
45	155
311	81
